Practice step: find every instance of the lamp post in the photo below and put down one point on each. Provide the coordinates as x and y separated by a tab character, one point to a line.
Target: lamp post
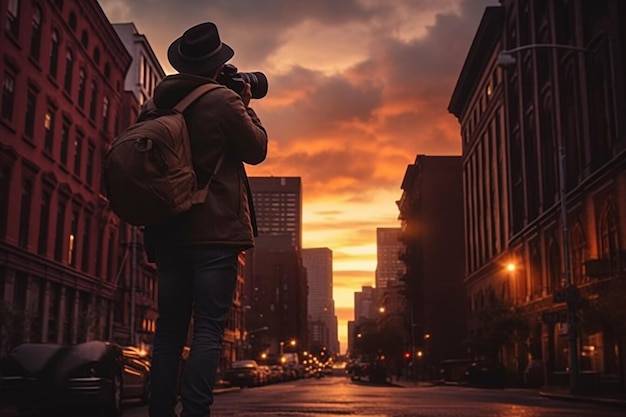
506	59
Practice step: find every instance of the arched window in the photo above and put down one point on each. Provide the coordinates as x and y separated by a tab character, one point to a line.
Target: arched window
54	53
35	40
82	87
84	39
5	181
535	270
105	114
69	69
94	100
609	238
96	55
13	18
72	21
107	71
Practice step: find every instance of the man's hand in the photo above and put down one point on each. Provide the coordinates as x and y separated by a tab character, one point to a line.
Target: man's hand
246	94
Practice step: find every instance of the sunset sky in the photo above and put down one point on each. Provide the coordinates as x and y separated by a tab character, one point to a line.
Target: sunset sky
358	88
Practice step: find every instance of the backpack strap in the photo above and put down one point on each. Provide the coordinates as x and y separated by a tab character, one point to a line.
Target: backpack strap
194	95
199	196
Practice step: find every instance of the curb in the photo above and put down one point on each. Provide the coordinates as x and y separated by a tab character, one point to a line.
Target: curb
614	402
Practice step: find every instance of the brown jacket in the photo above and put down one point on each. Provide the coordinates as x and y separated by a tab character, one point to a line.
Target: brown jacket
218	123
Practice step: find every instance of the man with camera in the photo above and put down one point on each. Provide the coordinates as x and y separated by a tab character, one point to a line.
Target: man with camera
197	251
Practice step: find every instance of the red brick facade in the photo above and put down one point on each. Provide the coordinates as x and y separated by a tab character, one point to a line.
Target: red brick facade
64	258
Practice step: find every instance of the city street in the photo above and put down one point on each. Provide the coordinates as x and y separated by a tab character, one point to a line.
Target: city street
338	396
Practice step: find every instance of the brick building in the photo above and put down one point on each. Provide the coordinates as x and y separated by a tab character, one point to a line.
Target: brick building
64	258
544	153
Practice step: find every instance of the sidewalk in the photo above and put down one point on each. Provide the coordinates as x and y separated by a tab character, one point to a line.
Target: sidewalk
553	392
563	393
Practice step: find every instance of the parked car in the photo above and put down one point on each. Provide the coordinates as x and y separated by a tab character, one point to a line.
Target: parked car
94	375
244	373
136	375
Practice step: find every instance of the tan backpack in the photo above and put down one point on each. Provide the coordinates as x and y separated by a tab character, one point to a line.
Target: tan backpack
149	175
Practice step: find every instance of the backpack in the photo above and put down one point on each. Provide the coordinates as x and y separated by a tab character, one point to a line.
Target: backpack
148	170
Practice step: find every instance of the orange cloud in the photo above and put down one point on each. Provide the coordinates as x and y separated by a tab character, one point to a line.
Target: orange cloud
358	88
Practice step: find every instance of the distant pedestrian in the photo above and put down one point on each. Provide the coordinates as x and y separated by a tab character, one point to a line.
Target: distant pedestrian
197	252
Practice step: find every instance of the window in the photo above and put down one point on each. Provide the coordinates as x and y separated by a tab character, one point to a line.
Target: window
96	55
54	53
105	114
609	235
81	88
84	39
111	270
86	229
91	149
48	125
69	68
35	40
13	18
65	141
27	196
29	120
44	223
107	71
54	309
8	96
94	99
60	231
68	323
78	151
59	4
72	21
73	238
5	179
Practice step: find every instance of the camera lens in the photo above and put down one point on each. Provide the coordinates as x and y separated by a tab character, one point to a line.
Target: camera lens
258	83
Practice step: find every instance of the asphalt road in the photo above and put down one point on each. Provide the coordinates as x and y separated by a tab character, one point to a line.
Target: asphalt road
338	396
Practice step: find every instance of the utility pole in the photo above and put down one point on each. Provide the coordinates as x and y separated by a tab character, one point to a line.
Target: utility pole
569	285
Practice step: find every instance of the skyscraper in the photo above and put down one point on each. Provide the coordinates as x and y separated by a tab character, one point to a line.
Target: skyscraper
278	206
276	287
389	267
321	306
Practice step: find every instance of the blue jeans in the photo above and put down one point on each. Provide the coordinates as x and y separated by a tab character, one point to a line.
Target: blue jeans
199	280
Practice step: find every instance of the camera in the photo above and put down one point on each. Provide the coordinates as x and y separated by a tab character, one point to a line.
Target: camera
236	80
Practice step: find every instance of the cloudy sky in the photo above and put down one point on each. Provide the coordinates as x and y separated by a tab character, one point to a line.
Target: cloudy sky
358	88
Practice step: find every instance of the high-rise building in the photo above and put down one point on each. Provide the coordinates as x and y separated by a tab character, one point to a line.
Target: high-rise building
278	206
321	306
389	267
276	284
431	212
365	304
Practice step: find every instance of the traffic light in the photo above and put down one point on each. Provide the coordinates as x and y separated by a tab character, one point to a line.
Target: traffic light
407	356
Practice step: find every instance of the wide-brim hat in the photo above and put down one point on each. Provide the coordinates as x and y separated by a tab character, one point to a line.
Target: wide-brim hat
199	50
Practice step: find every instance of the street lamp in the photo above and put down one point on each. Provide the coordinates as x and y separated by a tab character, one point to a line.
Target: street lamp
507	59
